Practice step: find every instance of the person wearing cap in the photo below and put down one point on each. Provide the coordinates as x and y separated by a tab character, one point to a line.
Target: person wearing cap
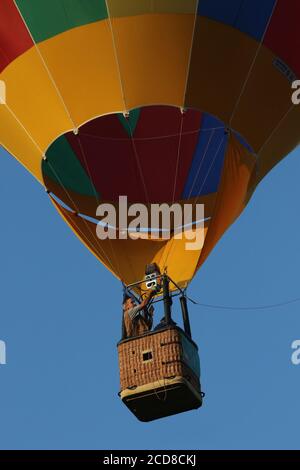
138	319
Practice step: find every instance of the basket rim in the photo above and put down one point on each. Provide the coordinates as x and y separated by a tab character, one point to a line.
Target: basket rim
154	332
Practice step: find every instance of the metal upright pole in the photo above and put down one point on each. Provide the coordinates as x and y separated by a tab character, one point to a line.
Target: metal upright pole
167	299
185	316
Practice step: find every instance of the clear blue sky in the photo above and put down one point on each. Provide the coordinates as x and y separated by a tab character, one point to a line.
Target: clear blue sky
60	318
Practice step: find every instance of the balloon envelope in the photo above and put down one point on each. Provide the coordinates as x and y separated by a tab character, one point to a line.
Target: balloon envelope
207	86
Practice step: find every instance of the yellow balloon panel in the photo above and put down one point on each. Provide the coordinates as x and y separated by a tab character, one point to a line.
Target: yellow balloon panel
15	139
153	55
84	66
34	101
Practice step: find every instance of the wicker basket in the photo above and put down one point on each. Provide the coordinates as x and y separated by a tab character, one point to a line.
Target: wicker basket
156	361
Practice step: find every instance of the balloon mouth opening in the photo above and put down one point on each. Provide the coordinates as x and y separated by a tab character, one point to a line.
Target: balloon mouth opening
151	155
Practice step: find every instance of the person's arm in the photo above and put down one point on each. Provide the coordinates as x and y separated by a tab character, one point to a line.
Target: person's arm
135	311
147	299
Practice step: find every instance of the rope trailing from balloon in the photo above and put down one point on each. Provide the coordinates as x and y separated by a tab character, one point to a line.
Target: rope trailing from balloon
247	307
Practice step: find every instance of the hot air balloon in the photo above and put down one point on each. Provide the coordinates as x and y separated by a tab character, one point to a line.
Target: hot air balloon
162	101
